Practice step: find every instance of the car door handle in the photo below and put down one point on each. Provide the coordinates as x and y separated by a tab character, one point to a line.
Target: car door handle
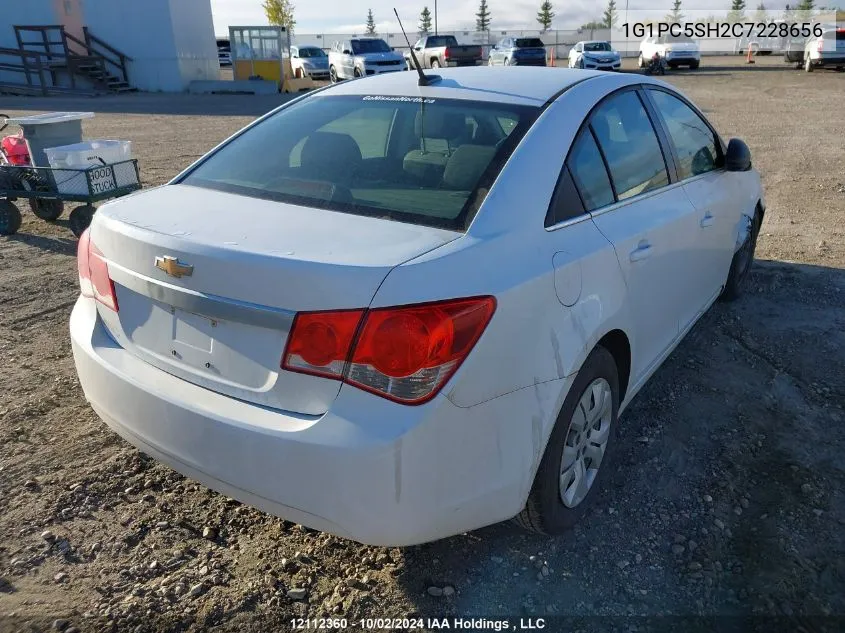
641	252
707	220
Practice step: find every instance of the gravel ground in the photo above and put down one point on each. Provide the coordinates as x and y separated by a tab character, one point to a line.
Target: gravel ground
727	497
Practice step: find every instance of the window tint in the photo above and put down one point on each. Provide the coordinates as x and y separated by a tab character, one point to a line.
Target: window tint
529	42
630	145
694	142
566	203
387	157
589	172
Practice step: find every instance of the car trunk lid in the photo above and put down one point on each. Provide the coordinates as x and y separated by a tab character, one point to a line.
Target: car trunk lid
208	282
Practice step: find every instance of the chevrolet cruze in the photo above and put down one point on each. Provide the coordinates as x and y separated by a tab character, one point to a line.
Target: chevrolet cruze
397	312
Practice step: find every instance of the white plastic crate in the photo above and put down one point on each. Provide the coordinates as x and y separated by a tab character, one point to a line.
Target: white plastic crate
88	153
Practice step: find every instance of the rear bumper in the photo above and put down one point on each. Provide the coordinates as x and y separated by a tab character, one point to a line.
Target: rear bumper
529	62
369	470
461	63
829	60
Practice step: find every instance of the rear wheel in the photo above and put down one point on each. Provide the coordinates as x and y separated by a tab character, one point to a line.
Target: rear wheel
356	73
80	219
576	456
489	61
640	61
808	65
694	65
435	63
10	218
332	74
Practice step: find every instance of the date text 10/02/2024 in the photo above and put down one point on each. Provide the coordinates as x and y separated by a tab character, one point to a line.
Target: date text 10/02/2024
407	624
722	29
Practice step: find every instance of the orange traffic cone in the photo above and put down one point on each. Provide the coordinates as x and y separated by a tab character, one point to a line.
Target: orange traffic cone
748	59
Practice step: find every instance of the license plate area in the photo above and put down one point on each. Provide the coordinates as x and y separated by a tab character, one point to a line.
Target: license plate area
193	338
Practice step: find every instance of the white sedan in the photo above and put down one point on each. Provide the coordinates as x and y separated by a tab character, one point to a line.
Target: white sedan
594	55
397	313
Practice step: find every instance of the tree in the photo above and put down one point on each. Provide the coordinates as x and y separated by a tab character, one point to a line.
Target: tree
425	22
805	8
482	18
280	13
760	15
610	17
545	15
675	16
371	23
591	26
737	12
788	14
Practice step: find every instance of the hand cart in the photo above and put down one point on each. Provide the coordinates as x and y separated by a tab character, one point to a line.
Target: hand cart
47	189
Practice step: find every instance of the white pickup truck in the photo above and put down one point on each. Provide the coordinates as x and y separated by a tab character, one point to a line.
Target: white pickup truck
361	57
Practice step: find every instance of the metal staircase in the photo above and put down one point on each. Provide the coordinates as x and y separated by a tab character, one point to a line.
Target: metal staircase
52	60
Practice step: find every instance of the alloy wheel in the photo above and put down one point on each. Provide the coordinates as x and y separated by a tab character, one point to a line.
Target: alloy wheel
586	442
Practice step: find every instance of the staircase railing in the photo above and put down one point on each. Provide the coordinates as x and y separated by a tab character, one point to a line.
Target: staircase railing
119	60
29	64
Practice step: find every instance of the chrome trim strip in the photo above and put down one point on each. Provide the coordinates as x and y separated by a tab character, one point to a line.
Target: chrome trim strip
212	306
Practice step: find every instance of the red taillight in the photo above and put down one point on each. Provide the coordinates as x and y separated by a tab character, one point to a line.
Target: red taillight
93	271
446	53
319	342
820	44
406	353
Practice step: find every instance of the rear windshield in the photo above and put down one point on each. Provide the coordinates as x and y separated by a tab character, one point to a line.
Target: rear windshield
427	162
369	46
529	42
441	40
676	39
596	46
311	52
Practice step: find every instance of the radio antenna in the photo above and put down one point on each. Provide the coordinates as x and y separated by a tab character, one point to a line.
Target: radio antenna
425	80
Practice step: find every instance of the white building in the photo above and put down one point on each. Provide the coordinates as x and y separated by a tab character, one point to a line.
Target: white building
170	42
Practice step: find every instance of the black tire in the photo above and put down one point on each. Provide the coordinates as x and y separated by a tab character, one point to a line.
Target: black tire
435	63
544	510
741	263
808	65
640	61
80	219
332	74
10	218
694	65
356	73
43	208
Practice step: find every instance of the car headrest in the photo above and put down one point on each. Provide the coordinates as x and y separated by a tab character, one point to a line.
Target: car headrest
330	155
466	165
439	123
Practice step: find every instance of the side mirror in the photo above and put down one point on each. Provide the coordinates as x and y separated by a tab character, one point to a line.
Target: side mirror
346	51
738	156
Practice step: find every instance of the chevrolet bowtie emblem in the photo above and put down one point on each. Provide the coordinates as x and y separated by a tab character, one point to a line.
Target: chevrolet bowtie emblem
173	267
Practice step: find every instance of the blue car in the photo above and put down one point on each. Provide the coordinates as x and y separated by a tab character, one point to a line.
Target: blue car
518	51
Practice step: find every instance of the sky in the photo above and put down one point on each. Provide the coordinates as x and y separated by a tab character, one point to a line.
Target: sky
345	16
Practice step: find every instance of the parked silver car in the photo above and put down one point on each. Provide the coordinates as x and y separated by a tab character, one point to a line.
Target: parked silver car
309	61
361	57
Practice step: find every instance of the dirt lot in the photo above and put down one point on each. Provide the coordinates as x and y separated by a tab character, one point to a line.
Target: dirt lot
727	499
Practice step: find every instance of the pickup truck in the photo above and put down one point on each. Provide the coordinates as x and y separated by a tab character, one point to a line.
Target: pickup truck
362	57
434	51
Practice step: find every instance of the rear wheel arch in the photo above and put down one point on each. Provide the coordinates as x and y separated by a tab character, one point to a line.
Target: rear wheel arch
616	342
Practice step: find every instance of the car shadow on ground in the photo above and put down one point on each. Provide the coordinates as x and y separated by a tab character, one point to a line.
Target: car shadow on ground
725	496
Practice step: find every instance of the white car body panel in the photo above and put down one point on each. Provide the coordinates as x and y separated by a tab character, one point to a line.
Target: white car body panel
674	52
334	457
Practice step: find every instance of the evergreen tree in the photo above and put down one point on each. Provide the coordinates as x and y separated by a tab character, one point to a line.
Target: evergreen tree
545	15
610	17
675	16
482	18
371	23
760	15
737	12
425	22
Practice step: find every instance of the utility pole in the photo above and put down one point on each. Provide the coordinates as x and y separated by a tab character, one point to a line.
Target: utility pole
435	17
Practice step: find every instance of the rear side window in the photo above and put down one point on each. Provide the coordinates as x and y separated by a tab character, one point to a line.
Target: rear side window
695	143
529	42
588	171
427	163
629	144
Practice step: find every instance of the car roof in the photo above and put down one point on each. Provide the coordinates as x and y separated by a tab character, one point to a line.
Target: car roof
504	84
